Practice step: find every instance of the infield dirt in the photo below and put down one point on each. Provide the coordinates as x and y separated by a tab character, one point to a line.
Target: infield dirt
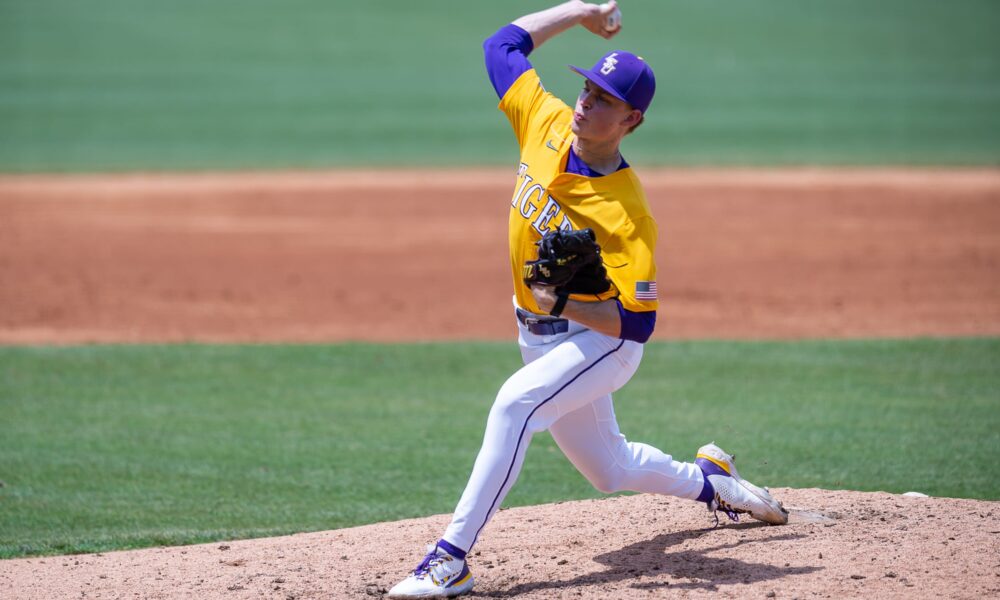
389	256
323	257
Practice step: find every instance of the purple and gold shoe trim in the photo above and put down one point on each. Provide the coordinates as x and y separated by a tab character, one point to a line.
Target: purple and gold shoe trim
700	460
462	578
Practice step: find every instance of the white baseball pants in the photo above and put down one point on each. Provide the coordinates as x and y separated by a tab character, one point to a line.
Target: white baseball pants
565	386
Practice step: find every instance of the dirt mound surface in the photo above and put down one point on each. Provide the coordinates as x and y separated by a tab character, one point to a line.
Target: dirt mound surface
836	545
396	256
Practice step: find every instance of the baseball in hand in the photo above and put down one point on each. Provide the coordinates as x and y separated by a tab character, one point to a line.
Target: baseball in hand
614	18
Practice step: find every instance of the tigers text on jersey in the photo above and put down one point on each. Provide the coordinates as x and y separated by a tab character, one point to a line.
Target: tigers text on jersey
546	197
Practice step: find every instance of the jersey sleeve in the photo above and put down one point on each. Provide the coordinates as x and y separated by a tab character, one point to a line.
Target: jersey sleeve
631	263
636	326
506	55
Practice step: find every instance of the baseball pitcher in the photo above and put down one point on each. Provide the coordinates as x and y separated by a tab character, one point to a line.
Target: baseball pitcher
582	247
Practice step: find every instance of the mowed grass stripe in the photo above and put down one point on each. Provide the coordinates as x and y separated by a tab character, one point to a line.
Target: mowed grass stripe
110	447
236	84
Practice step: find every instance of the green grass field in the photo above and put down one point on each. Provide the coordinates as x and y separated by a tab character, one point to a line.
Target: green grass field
234	84
108	447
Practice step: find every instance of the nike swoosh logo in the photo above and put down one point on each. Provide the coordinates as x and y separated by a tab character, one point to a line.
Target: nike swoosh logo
549	145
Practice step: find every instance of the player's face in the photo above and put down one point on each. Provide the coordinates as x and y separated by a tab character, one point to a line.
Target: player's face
601	116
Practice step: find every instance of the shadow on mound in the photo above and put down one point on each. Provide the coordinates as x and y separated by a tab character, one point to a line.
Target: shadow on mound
695	569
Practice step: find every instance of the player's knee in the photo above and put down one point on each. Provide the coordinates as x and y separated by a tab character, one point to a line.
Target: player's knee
608	482
516	404
512	402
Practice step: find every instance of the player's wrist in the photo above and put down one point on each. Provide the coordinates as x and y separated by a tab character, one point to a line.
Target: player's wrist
544	25
584	10
561	299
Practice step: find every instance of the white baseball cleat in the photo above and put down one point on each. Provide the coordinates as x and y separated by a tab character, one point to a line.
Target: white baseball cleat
440	575
733	494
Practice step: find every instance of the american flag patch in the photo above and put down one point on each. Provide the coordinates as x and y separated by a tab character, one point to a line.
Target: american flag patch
645	290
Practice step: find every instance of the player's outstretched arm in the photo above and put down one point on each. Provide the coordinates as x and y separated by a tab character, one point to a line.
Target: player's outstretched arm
599	316
545	24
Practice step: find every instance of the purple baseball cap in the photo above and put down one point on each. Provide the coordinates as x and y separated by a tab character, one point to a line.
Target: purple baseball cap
625	76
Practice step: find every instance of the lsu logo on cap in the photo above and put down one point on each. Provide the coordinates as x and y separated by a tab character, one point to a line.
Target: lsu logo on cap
609	64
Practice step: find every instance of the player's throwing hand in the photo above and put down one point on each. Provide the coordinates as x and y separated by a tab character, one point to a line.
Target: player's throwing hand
602	19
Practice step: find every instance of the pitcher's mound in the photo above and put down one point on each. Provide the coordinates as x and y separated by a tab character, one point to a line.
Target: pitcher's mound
836	545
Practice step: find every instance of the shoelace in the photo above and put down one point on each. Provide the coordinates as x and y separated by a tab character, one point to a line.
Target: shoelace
430	561
718	504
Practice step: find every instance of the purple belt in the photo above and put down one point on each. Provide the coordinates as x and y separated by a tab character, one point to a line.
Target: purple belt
542	325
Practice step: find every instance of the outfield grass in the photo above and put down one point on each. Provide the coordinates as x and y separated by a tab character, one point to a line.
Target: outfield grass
186	84
110	447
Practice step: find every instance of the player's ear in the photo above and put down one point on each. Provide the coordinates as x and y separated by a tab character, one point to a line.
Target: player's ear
632	124
633	118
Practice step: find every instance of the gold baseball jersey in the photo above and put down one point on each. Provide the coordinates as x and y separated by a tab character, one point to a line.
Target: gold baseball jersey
547	197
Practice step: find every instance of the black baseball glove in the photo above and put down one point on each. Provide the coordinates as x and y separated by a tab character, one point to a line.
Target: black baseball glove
571	262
